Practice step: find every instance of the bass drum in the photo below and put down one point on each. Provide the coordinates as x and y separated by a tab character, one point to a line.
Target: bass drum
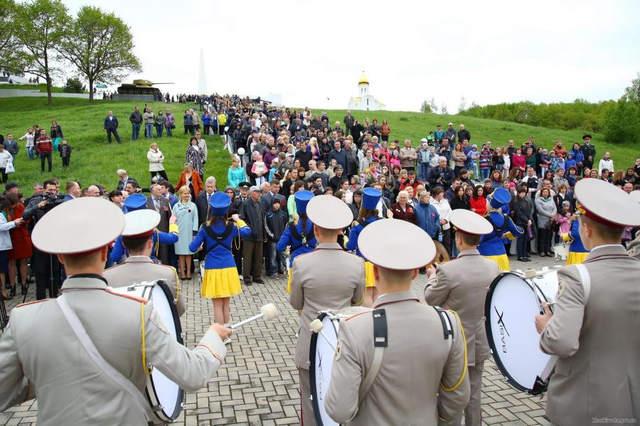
165	397
321	354
510	308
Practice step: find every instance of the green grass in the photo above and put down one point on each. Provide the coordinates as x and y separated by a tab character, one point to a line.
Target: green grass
41	87
95	161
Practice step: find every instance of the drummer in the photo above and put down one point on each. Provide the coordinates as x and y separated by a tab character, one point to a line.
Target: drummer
492	244
420	377
139	267
326	279
368	214
298	235
71	386
593	329
461	285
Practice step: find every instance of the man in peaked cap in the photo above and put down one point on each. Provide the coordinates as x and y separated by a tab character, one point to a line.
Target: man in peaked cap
413	377
72	383
326	278
462	285
139	267
593	329
492	244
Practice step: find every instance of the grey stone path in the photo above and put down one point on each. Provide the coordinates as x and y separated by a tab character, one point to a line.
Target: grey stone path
258	383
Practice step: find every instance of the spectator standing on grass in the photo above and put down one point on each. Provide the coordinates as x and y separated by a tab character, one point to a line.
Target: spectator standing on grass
21	242
149	121
111	127
135	119
11	145
30	137
65	153
589	151
44	148
5	159
463	134
605	163
194	155
408	156
202	144
159	123
156	162
56	134
188	122
169	123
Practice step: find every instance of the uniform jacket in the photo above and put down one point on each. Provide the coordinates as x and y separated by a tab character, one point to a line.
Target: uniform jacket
39	349
492	244
136	269
287	239
219	254
598	371
461	285
316	287
352	244
421	378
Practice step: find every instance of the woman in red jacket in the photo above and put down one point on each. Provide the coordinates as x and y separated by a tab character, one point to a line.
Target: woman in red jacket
478	201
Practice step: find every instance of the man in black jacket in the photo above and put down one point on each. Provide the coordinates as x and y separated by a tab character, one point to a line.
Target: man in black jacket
253	214
275	224
589	151
135	118
463	134
441	175
522	214
111	127
202	202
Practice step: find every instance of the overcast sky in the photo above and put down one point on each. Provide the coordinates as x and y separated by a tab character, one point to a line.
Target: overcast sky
312	52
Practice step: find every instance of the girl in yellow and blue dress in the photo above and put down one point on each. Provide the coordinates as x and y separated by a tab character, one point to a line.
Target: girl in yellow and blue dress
368	214
220	281
299	234
577	251
492	244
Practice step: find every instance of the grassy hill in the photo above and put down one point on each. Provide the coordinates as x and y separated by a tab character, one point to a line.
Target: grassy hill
41	87
95	161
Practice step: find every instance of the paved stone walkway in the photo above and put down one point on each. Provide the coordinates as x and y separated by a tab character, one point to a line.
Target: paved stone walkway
258	383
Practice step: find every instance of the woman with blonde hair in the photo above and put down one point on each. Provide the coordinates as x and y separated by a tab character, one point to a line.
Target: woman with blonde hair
156	160
186	214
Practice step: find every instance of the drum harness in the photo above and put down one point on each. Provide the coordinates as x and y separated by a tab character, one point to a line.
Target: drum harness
304	238
218	238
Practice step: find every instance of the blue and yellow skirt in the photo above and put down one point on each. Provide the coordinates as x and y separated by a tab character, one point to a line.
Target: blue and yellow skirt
502	260
219	283
577	257
369	278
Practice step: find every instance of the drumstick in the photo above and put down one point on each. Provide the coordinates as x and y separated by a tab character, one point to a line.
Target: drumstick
316	327
268	311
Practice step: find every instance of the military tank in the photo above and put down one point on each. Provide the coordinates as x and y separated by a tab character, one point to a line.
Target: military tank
140	89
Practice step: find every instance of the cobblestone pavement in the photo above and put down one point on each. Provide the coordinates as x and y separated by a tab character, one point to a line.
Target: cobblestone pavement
258	384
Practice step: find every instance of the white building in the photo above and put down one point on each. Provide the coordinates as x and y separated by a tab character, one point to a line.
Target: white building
364	101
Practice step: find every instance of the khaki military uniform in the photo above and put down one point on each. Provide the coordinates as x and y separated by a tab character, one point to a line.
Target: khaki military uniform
597	376
136	269
40	350
326	279
422	379
462	285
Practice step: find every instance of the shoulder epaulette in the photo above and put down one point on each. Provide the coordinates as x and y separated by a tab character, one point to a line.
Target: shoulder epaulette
32	302
127	296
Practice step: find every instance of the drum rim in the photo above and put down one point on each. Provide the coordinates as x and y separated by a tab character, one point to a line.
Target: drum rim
178	326
312	372
487	325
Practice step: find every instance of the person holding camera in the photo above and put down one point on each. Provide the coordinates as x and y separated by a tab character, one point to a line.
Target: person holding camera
45	266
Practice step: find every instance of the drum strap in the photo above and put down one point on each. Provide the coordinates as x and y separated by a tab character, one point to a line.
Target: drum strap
447	327
586	281
101	363
380	341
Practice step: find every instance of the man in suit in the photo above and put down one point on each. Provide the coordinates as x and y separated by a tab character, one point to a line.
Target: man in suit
72	385
124	179
316	288
111	127
138	266
251	212
462	285
593	329
202	202
402	375
157	202
73	191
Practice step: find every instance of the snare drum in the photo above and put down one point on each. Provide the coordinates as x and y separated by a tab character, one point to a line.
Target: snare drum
165	397
321	354
510	309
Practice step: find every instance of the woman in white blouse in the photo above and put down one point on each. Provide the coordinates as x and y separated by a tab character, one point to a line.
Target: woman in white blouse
156	160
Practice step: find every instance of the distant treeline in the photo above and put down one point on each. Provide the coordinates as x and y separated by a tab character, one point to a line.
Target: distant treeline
579	114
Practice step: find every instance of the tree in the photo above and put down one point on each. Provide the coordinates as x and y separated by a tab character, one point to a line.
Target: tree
74	85
463	105
9	43
425	107
39	27
632	93
622	123
100	46
444	110
432	104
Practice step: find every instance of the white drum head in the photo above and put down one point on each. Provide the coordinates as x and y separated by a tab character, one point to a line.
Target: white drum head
510	308
322	354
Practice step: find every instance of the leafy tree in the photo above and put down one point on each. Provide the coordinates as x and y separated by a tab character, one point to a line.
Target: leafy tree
100	46
623	123
39	27
74	85
425	107
9	43
632	93
444	110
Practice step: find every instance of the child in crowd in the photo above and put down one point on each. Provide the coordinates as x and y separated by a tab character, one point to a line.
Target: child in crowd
65	153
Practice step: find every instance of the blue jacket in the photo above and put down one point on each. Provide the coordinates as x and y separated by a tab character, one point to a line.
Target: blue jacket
219	254
576	245
352	244
492	244
428	218
297	246
118	251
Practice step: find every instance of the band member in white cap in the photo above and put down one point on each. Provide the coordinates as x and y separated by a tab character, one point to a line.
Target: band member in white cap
593	329
43	348
462	285
327	278
138	266
633	248
418	375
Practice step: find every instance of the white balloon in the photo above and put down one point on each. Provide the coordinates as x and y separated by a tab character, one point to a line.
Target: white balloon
240	151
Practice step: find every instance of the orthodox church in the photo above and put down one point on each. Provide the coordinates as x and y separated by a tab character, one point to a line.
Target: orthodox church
364	101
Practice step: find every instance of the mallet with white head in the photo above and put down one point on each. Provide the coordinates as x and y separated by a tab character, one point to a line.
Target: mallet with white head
316	327
268	311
